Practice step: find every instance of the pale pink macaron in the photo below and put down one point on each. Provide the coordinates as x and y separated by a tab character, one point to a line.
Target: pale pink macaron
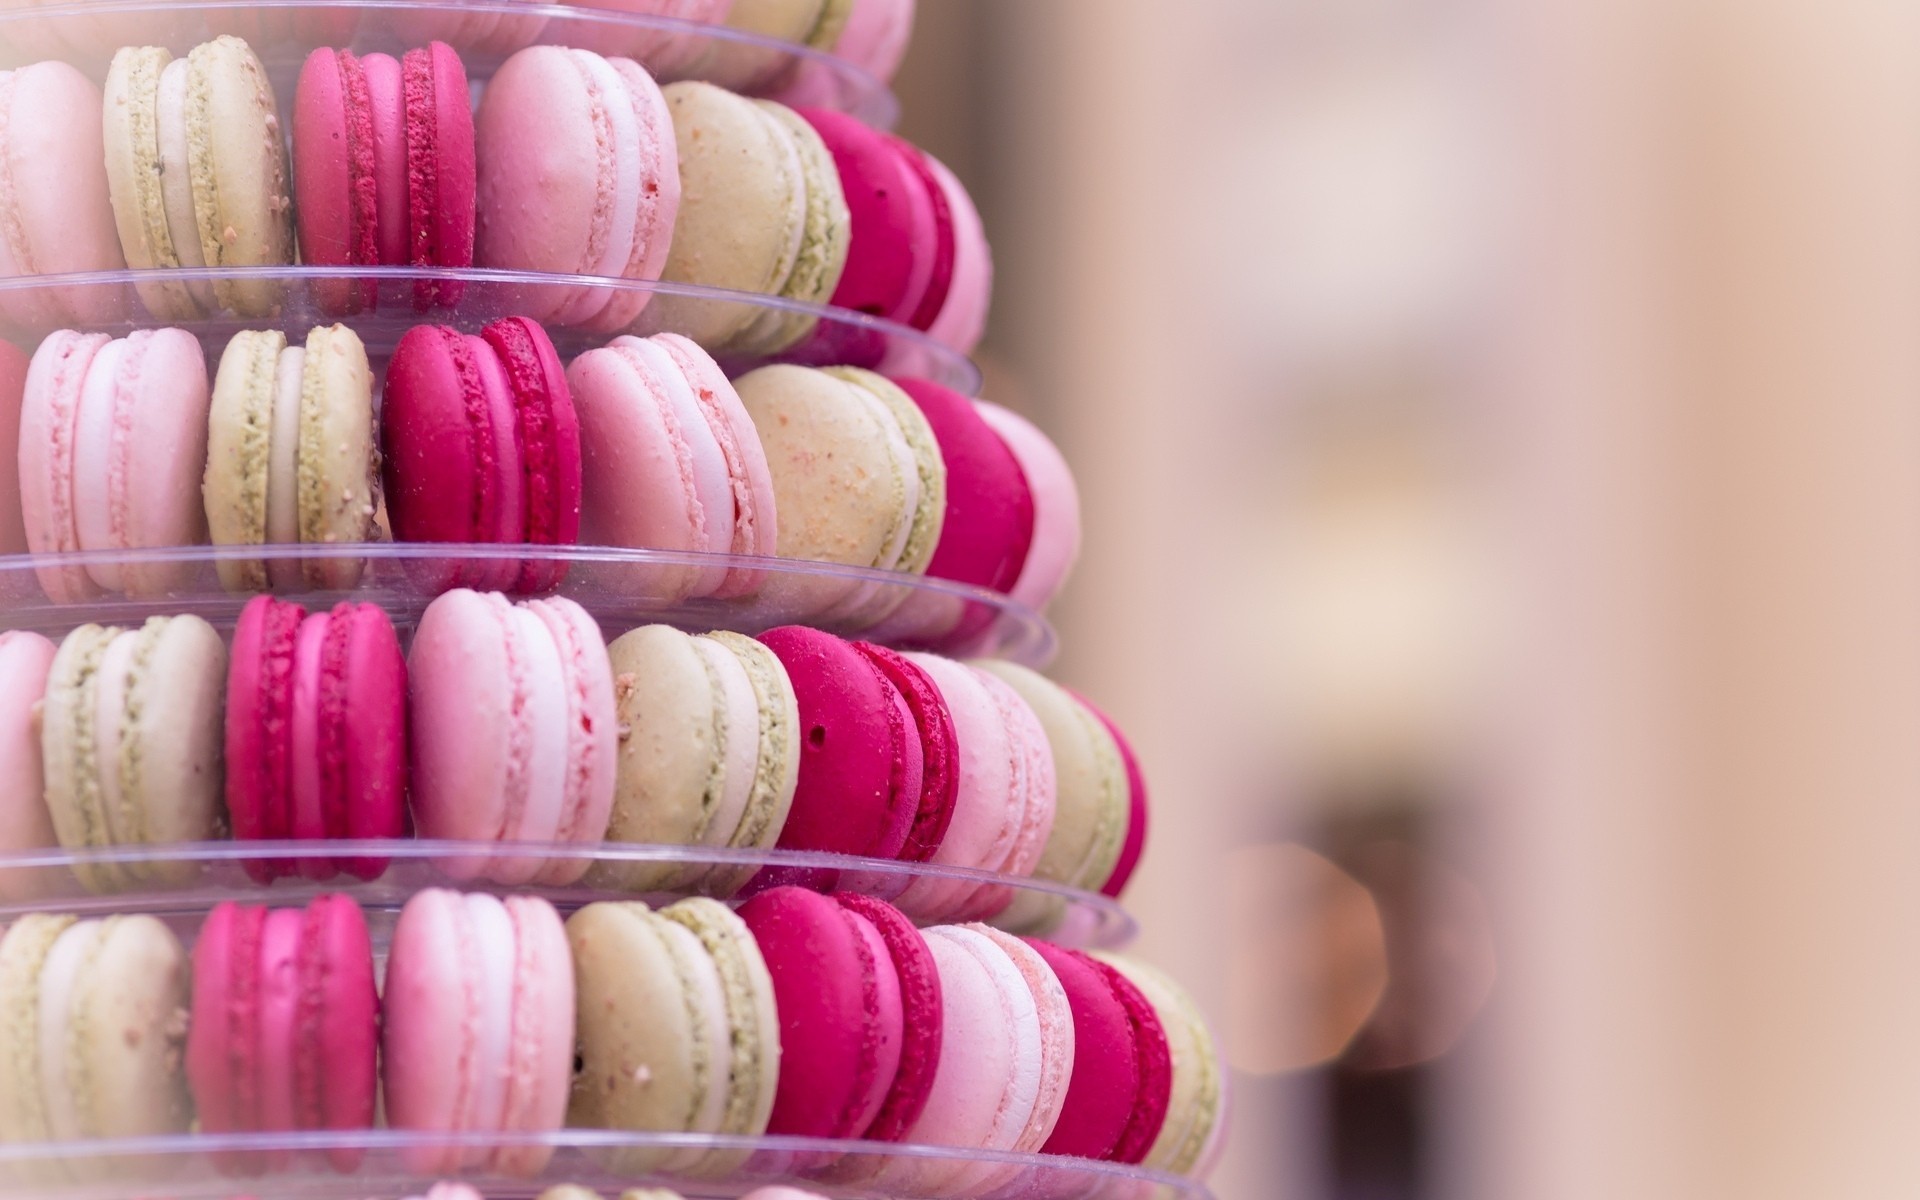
55	214
512	731
478	1027
963	318
1004	808
579	174
1056	506
25	824
113	444
1005	1060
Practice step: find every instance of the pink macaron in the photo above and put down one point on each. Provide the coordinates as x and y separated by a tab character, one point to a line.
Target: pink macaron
939	750
478	1031
482	444
284	1024
671	461
25	823
55	215
1122	1066
578	175
113	442
1055	544
13	386
923	1015
1137	818
316	733
384	168
962	318
512	731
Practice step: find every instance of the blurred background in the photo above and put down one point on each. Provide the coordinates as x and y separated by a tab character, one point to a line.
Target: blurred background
1499	428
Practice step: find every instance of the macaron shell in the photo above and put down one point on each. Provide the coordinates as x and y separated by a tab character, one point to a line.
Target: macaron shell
987	813
547	432
1106	1084
756	528
1057	1037
25	825
1034	788
24	948
1056	506
430	1022
776	773
820	256
541	1066
923	1022
1137	808
336	184
242	201
963	320
55	211
989	524
880	189
468	731
337	458
239	452
259	718
127	1029
754	1023
592	731
939	746
1197	1101
366	706
49	415
1155	1066
658	205
441	176
339	1020
176	700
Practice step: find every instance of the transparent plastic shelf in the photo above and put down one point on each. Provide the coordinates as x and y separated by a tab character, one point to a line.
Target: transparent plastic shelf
486	32
189	1167
32	306
181	883
622	588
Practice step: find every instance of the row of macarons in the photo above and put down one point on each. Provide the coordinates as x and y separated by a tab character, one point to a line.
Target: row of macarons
517	724
574	164
797	1014
125	444
871	35
568	1191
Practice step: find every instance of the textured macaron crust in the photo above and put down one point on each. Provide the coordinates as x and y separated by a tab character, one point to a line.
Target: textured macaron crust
291	455
512	731
1196	1105
95	1022
384	167
671	461
709	751
482	444
478	1032
284	1027
198	175
841	1018
130	742
578	175
923	1021
316	734
113	438
25	659
55	214
862	774
686	992
761	211
1122	1069
939	750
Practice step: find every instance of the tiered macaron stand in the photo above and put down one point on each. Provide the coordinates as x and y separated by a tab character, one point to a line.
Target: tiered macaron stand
205	874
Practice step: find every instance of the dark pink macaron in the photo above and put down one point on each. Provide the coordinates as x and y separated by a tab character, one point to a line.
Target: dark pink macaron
284	1024
468	422
1122	1076
923	1016
891	217
315	732
862	770
939	751
842	1018
989	524
384	169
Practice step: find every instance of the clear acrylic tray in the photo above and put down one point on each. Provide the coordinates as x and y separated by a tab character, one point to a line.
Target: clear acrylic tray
283	32
181	883
185	1168
622	588
840	336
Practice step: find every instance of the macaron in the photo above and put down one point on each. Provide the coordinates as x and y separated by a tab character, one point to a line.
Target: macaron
875	36
961	320
1093	800
25	824
670	460
13	386
1004	802
579	174
198	176
895	236
842	1022
684	995
481	443
988	530
511	731
923	1023
862	765
285	1024
939	750
316	732
1135	845
1055	543
130	743
709	752
761	211
113	440
93	1037
384	168
858	480
291	456
478	1028
55	216
1122	1077
1196	1107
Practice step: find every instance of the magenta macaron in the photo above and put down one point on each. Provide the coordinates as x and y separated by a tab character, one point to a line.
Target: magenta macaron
478	1034
316	732
512	730
482	444
1122	1069
285	1023
384	167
